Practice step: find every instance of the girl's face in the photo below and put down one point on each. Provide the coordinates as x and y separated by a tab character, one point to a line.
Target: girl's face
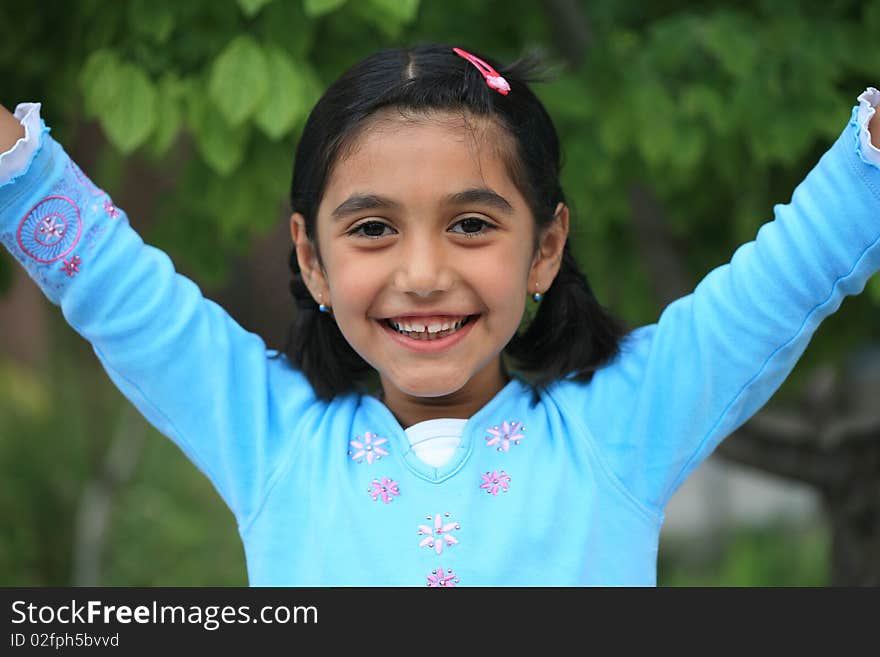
421	225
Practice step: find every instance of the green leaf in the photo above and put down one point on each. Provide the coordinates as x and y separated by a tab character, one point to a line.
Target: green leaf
615	132
252	7
652	113
220	144
239	79
291	96
690	144
154	19
874	288
731	39
98	81
702	100
389	17
400	11
286	25
244	210
121	96
168	112
131	115
321	7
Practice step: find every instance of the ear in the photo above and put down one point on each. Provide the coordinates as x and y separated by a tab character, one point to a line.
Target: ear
548	259
307	257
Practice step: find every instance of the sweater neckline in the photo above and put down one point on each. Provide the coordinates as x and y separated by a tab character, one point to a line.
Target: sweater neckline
476	424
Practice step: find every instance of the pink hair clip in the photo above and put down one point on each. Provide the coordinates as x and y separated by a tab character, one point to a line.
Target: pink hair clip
493	78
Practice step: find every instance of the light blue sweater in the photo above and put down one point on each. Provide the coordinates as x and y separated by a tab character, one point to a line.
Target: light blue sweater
571	491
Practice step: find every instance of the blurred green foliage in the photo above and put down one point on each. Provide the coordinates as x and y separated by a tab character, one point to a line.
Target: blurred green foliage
167	525
718	108
776	554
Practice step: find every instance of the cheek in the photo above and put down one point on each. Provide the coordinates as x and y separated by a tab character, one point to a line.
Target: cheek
353	284
500	272
502	288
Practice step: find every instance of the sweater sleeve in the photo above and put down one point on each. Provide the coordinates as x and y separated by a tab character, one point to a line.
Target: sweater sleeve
193	372
716	356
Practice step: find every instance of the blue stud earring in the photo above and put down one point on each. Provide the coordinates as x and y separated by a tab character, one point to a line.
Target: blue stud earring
536	297
323	308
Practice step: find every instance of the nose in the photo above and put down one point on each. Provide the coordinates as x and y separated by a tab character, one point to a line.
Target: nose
424	266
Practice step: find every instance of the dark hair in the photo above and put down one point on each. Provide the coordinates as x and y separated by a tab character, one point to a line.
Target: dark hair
570	334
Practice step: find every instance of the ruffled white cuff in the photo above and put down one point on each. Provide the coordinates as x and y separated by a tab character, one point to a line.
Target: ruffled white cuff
868	102
13	161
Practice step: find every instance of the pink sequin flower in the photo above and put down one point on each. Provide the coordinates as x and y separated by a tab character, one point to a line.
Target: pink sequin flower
439	534
52	226
495	481
384	489
110	209
71	266
370	448
503	436
438	578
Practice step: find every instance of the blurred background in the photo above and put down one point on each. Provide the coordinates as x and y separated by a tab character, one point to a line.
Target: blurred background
682	124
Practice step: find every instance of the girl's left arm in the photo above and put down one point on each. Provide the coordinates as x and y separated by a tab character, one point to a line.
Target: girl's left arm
716	356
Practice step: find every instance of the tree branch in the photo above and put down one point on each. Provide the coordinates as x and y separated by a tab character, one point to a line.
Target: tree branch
657	248
574	34
96	505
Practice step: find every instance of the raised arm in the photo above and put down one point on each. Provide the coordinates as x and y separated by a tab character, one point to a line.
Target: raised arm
196	375
717	355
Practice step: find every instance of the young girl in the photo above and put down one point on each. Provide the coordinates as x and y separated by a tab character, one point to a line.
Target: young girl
426	213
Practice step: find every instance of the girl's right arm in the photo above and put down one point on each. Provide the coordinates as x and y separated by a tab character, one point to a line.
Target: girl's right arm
196	375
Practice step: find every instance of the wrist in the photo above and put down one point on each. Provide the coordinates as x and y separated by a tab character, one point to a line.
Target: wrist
11	129
874	128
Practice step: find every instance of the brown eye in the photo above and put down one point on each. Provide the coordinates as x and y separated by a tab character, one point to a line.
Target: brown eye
474	226
369	229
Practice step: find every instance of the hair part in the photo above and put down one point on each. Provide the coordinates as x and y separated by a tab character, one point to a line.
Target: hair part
571	334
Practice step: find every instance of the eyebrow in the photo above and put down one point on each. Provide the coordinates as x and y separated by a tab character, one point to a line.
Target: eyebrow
474	196
480	196
360	202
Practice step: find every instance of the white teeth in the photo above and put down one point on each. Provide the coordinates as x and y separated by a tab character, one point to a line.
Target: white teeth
427	330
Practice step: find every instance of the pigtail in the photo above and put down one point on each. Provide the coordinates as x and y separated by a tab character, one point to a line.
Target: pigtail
316	346
571	333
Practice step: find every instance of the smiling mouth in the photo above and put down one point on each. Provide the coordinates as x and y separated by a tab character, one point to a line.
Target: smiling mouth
427	334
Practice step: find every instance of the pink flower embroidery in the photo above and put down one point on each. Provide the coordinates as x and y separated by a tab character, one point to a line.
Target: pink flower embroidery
438	534
71	266
384	489
369	448
53	226
495	481
508	432
50	230
437	578
110	209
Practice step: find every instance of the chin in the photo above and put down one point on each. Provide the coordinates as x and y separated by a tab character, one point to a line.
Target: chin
429	386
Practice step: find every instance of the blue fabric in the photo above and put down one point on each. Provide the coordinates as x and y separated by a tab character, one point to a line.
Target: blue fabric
569	492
